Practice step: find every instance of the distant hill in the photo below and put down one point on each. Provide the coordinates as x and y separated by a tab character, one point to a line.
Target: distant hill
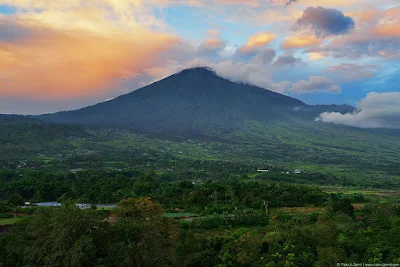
24	137
194	102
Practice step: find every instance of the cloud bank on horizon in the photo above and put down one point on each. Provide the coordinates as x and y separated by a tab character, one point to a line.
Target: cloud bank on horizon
377	110
60	55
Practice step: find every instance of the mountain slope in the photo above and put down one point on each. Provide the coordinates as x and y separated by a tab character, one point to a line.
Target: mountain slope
192	102
24	137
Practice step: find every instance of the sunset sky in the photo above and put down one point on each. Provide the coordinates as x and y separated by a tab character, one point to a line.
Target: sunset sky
65	54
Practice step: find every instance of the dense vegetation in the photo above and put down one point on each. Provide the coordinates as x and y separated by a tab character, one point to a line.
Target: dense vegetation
225	221
138	234
110	187
359	158
227	215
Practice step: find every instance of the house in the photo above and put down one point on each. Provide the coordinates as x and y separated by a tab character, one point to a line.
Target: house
263	170
22	165
76	170
297	171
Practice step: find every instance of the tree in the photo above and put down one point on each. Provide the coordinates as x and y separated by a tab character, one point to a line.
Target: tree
342	205
146	237
65	236
330	256
138	209
15	200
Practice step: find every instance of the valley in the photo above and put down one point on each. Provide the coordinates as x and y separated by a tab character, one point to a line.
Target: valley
191	175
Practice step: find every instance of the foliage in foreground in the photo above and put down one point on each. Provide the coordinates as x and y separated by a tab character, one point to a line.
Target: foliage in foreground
138	234
69	236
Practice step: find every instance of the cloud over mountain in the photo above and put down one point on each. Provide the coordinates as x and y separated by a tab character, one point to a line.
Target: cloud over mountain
315	84
287	60
213	44
377	110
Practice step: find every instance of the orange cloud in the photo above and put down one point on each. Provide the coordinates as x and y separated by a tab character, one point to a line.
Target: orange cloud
50	64
257	41
214	33
300	41
388	25
393	14
364	17
78	48
386	30
334	3
260	39
213	44
315	56
254	3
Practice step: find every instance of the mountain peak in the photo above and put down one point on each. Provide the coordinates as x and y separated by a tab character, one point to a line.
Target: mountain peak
199	71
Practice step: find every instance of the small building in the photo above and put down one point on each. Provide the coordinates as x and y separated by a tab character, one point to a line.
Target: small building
262	170
74	171
22	165
297	171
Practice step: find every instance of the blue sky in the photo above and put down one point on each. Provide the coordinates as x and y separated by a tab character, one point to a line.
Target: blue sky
7	10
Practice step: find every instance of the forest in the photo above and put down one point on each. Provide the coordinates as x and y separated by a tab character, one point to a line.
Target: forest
164	220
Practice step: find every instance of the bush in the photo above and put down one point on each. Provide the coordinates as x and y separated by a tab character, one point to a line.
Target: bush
342	205
5	216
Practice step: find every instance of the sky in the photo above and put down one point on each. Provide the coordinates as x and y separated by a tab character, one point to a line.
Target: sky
62	55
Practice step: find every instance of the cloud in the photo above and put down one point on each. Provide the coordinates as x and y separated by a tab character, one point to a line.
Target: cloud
103	16
300	41
354	71
265	56
324	22
289	2
248	73
214	33
315	84
57	50
386	30
315	56
255	42
339	3
260	39
48	64
376	35
287	60
13	32
362	44
213	44
377	110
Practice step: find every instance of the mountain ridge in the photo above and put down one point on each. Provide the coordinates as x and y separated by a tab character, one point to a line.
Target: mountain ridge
192	101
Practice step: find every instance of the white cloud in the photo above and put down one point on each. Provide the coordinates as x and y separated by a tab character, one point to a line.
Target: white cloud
265	56
248	73
315	84
377	110
213	44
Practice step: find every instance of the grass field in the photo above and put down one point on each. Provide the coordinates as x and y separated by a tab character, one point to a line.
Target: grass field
180	214
299	210
10	221
375	194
